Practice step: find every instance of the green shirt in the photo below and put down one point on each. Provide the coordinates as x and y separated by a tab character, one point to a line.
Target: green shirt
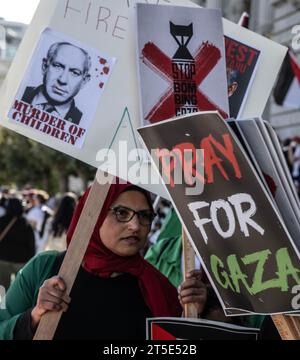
23	293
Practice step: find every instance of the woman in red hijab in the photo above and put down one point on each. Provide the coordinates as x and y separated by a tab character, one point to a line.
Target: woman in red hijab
115	289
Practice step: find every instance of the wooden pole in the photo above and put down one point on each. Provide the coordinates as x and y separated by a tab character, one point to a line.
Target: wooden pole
77	249
190	310
287	326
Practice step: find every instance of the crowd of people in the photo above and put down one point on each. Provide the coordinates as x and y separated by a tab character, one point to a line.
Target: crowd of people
31	222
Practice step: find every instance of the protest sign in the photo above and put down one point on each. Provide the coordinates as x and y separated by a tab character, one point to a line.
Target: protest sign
181	57
61	88
270	58
197	329
241	63
234	227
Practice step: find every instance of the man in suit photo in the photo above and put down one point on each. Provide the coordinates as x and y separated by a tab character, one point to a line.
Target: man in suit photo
65	72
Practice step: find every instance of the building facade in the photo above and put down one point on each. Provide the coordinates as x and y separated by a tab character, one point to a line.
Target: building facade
11	34
274	19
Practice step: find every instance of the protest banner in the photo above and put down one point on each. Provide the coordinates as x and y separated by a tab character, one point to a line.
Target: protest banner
243	244
197	329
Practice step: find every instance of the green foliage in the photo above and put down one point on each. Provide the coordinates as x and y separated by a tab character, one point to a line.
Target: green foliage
24	161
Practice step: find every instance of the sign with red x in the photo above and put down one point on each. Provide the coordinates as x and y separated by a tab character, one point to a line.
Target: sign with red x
181	62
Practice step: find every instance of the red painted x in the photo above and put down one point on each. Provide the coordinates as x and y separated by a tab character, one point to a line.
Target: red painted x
206	58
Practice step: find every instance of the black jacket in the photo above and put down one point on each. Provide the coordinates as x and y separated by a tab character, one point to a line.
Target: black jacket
18	245
74	115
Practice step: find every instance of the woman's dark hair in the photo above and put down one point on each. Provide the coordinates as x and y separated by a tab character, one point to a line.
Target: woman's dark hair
63	215
14	207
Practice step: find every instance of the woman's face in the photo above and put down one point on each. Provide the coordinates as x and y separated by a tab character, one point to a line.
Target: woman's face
125	238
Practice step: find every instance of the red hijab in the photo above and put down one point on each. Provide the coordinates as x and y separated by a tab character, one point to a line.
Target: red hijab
159	294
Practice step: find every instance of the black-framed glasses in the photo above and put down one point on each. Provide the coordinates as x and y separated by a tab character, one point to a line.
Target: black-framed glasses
125	214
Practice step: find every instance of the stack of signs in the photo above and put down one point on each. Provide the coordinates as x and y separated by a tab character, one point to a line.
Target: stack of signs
261	141
244	245
96	107
196	329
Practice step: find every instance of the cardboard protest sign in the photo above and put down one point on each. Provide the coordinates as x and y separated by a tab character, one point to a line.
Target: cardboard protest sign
278	166
270	58
241	62
61	88
244	246
197	329
109	27
181	57
243	143
283	161
282	195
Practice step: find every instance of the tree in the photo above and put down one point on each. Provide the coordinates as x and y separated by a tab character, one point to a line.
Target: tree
24	161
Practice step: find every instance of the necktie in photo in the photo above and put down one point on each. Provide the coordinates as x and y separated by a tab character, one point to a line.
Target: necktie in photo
49	108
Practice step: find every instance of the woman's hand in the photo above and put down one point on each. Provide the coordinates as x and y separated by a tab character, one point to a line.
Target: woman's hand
193	290
52	297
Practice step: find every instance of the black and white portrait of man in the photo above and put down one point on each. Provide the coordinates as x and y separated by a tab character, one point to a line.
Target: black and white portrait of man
65	72
61	88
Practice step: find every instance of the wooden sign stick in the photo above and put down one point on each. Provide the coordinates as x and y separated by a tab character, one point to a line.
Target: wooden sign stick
190	310
77	248
287	326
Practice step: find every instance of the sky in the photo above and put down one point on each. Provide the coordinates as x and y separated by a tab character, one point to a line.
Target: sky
18	10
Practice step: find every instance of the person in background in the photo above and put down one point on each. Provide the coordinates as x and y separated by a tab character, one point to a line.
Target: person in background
59	224
4	194
37	216
16	241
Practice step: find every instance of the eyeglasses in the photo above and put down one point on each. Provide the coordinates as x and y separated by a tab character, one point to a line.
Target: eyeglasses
125	214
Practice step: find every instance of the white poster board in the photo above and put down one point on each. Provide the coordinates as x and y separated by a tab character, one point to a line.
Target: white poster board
181	58
109	26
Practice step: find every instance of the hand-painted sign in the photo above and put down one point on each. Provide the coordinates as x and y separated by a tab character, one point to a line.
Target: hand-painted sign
233	225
